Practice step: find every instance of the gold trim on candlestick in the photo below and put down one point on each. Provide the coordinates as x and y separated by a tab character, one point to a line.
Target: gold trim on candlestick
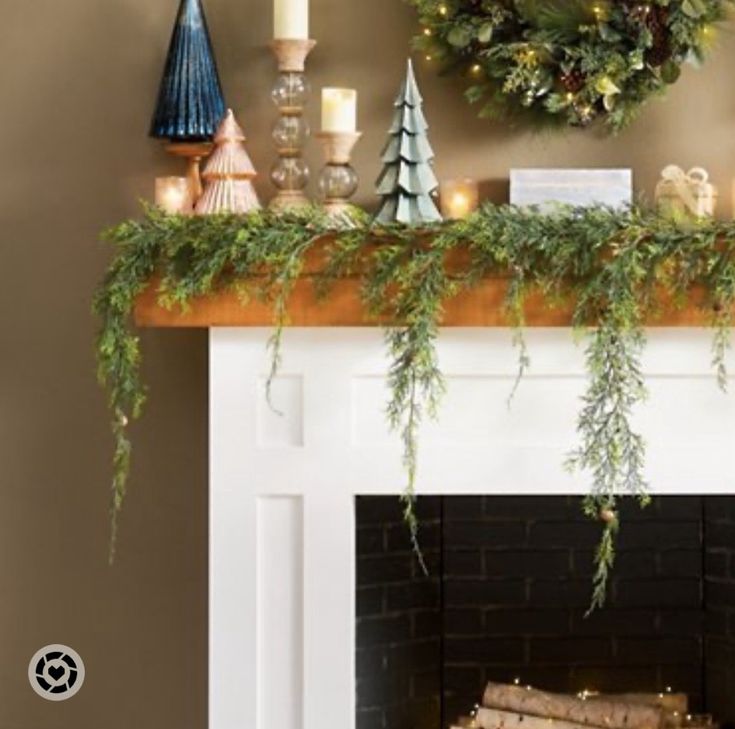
338	208
194	153
289	199
338	148
291	53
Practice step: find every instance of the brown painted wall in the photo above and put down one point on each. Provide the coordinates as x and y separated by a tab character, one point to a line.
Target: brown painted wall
78	80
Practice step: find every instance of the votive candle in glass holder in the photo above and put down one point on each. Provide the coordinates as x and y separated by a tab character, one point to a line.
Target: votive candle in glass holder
173	195
459	198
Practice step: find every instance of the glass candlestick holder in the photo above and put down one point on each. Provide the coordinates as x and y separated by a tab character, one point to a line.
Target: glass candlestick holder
338	180
194	153
290	173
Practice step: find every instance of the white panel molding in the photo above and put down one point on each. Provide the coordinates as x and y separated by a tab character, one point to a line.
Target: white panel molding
279	612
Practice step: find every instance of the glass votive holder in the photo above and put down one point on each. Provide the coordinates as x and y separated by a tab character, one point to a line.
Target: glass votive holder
173	195
458	198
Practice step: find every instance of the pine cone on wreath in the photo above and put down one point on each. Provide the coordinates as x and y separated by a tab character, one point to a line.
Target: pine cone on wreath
660	52
573	81
656	21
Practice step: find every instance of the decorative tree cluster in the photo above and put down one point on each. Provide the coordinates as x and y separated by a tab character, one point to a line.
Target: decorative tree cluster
408	180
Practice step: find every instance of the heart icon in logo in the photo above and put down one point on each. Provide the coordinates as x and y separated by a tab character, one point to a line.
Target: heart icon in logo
56	671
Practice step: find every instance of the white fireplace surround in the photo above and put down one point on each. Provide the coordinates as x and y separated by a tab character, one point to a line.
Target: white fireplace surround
282	531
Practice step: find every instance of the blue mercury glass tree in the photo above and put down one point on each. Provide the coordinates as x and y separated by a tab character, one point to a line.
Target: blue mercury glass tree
190	103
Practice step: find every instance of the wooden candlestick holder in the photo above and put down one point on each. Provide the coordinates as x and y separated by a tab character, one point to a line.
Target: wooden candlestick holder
290	173
194	153
338	181
291	53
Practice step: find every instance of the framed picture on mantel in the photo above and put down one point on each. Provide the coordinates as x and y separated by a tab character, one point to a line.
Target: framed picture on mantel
544	187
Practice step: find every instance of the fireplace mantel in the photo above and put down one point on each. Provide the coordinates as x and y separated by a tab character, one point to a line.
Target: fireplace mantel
483	306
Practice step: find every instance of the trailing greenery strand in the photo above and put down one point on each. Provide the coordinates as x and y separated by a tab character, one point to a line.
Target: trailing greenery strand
613	270
118	351
610	450
420	285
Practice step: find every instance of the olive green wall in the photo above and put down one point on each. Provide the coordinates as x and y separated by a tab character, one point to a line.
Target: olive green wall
78	79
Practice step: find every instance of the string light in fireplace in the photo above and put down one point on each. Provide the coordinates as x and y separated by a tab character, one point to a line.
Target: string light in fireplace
517	682
473	716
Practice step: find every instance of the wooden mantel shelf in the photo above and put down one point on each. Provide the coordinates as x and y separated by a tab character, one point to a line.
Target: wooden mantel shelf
483	306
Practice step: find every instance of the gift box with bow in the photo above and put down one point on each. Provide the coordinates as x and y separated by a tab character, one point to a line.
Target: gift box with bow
682	194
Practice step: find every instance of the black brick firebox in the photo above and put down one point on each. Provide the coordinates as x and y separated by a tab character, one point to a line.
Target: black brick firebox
506	595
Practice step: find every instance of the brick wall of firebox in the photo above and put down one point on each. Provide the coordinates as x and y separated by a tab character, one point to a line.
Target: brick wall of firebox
398	658
517	585
719	530
506	597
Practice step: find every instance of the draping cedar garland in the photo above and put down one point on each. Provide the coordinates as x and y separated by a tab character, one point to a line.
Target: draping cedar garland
619	268
566	61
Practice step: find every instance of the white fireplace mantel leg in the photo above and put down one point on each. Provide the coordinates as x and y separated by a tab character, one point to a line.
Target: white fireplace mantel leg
282	563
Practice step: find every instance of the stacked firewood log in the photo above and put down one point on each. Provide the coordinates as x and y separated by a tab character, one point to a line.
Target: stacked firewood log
511	706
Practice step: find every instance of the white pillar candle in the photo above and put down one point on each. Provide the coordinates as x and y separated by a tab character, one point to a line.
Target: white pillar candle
339	110
291	19
173	195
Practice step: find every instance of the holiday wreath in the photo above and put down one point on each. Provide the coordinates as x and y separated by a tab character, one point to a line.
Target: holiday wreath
567	61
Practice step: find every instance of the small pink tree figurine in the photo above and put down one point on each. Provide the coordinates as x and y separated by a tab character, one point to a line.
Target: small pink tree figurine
229	173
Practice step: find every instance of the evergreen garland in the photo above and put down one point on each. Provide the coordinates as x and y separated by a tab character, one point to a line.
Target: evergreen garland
619	269
556	62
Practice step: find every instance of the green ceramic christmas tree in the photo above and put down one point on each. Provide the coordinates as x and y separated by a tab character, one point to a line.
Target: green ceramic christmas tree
407	182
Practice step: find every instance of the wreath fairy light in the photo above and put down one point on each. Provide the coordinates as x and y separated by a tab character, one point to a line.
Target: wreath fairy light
569	62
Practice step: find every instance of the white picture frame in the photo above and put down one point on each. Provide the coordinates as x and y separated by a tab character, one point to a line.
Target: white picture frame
578	187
